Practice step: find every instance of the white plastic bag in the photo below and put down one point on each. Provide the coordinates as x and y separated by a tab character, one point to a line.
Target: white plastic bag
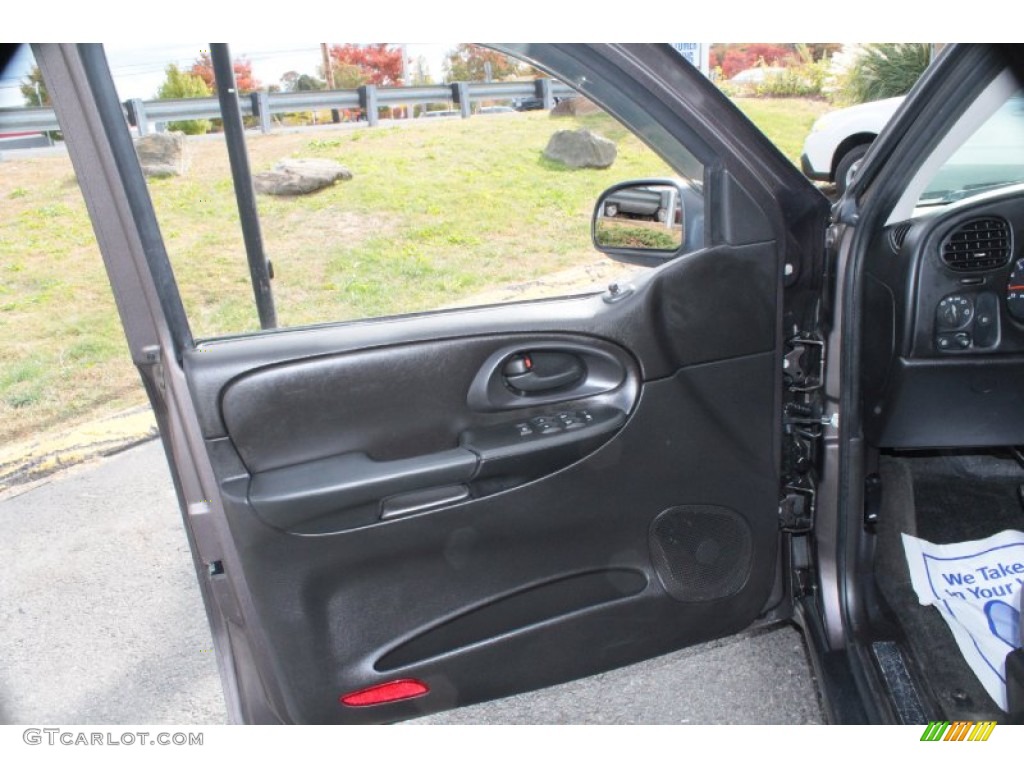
975	585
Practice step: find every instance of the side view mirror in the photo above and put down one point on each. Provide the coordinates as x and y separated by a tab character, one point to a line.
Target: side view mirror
642	221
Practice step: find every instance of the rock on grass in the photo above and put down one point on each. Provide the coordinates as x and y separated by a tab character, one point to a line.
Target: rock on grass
300	176
162	154
581	149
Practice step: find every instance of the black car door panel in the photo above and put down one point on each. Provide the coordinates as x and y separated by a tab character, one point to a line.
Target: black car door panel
432	596
650	527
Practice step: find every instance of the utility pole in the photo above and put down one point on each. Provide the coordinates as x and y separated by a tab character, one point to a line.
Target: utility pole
328	69
329	77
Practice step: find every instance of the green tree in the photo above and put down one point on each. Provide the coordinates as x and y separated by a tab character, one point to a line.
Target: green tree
34	89
348	76
883	70
309	83
293	81
183	85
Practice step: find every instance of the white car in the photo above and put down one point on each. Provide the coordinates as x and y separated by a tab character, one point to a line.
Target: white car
756	75
838	140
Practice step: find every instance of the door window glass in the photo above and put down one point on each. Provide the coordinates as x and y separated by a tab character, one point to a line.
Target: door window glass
431	209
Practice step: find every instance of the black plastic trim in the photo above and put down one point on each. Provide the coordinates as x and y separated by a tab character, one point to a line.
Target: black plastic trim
289	497
529	607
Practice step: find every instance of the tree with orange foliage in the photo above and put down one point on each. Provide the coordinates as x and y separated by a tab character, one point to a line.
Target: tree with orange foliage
244	81
356	65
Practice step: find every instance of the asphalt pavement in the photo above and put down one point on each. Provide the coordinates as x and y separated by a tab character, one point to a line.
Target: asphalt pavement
101	622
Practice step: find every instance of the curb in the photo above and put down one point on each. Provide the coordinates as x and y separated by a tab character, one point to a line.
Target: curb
33	459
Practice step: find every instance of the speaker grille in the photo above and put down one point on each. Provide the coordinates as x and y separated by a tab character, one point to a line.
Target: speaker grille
701	552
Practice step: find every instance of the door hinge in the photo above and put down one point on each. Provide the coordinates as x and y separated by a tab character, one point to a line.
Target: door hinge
803	364
796	510
151	357
803	427
801	449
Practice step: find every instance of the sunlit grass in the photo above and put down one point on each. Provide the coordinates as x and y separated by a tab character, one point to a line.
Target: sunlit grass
785	121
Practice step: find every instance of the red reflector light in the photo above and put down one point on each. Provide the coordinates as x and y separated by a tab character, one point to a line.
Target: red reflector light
384	693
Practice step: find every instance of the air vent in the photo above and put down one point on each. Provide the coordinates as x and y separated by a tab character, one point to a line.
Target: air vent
979	244
897	235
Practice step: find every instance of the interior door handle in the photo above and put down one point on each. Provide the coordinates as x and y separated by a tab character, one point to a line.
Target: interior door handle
532	372
563	370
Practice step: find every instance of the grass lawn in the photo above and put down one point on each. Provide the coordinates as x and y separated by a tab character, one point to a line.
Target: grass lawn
437	211
785	121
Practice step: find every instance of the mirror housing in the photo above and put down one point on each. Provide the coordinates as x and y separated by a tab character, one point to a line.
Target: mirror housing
648	221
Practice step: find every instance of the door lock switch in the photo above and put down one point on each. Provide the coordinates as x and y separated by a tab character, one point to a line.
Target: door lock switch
545	425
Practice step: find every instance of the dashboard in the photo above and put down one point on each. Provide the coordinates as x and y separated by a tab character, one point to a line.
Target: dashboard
943	319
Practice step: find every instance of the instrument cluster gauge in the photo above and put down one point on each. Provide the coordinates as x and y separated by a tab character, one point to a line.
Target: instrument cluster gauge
1015	291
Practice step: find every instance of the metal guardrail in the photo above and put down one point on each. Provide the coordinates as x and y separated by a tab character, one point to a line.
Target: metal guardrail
147	115
24	119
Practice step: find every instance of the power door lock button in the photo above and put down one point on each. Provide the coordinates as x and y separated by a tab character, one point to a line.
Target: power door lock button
571	420
546	425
